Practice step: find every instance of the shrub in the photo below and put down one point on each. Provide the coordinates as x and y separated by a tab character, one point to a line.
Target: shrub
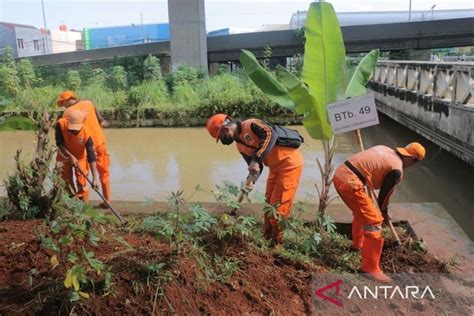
150	94
26	73
185	96
102	97
73	80
151	68
118	78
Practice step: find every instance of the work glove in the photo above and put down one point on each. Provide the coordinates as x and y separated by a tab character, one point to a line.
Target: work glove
245	188
254	167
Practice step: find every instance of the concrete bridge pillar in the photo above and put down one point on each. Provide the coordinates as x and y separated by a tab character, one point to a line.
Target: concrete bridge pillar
188	41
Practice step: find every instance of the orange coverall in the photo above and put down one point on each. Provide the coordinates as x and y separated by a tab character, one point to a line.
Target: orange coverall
373	164
76	144
102	156
257	142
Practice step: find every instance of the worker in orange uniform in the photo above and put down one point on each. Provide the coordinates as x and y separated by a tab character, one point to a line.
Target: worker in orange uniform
379	167
274	147
93	121
75	142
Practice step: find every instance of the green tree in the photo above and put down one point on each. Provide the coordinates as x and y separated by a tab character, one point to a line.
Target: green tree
26	73
7	58
267	54
151	68
9	76
99	77
133	67
86	73
118	78
50	74
73	80
8	84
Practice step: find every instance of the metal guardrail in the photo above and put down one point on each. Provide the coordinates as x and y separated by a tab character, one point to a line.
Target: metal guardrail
449	82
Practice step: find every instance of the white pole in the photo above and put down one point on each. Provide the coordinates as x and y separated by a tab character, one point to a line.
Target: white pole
409	11
141	27
45	36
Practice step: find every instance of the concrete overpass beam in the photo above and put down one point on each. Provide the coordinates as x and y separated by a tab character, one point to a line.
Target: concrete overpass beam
187	33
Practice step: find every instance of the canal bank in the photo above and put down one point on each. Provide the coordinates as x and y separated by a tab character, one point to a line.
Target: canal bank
152	162
430	222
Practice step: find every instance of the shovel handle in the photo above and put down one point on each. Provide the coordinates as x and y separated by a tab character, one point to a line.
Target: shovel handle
388	222
115	212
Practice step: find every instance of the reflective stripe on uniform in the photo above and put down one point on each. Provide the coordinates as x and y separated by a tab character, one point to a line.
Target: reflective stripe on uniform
371	228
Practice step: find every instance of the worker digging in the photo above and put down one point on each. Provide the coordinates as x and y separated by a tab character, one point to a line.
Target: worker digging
76	149
275	147
378	168
94	122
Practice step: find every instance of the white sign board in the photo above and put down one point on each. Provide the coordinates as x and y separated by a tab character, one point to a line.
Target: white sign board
353	113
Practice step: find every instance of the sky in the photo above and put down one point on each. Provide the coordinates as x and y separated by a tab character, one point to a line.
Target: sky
239	15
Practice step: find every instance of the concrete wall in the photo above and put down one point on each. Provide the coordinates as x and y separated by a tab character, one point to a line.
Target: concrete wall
29	35
159	49
7	38
188	33
448	125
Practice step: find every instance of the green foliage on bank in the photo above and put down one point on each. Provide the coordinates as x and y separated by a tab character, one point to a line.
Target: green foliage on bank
187	92
15	123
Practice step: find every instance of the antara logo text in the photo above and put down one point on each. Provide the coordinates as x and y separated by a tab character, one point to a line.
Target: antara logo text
376	292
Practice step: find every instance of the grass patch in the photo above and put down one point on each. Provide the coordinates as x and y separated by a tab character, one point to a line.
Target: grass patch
17	123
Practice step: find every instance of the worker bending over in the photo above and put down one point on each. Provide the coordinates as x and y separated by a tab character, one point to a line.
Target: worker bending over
93	121
76	147
379	167
274	147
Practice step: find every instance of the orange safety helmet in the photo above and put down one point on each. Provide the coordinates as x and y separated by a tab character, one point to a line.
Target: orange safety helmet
64	96
413	150
215	123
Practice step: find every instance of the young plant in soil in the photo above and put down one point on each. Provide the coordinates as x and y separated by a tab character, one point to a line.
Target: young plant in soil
74	235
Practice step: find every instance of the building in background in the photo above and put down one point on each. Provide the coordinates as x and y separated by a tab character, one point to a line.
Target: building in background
64	40
26	40
113	36
219	32
273	27
298	19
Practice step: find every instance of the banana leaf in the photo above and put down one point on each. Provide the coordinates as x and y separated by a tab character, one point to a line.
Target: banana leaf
360	77
324	68
265	80
315	117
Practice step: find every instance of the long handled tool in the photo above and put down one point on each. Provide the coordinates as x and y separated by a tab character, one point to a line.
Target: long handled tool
116	213
244	191
387	221
372	193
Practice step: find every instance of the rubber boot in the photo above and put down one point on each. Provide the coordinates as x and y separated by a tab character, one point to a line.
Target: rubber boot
102	205
83	194
277	235
267	227
106	189
357	235
371	252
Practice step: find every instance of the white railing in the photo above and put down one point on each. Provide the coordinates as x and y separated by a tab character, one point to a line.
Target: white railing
450	82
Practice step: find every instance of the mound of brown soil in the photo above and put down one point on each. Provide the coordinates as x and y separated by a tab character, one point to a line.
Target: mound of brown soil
263	283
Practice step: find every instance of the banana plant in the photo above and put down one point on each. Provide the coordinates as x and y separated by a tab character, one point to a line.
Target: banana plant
324	81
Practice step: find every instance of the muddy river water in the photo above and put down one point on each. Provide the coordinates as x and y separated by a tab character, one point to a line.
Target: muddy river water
152	162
